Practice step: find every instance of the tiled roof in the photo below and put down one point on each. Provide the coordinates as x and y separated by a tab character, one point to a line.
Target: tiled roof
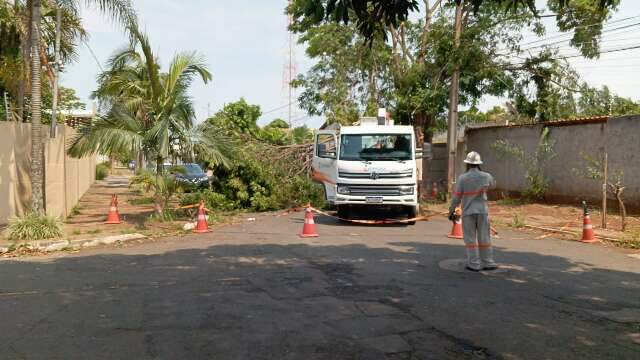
557	122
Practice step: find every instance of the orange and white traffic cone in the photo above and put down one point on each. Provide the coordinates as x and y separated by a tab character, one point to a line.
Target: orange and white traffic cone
201	225
309	228
113	217
587	228
456	230
434	190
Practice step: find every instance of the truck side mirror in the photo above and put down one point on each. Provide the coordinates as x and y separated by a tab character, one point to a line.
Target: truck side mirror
323	153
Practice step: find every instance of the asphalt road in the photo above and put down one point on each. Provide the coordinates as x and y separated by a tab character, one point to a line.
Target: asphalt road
257	291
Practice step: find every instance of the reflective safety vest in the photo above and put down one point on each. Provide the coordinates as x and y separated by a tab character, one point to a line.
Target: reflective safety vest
471	190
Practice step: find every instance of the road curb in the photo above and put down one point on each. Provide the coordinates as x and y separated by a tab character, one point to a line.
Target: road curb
57	245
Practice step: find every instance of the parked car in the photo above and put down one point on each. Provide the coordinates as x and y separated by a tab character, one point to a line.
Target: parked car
192	177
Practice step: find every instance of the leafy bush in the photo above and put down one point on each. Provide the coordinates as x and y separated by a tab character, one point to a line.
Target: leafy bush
212	200
518	220
534	164
102	170
167	215
163	186
34	226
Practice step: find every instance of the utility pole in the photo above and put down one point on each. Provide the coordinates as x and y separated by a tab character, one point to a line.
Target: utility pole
290	68
452	129
289	72
54	106
604	190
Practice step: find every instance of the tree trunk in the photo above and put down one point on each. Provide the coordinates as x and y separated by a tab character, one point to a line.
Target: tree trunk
25	47
140	161
623	209
158	195
56	66
37	197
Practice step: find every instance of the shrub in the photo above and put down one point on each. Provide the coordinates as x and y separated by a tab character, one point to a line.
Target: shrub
518	220
533	164
212	200
34	226
102	170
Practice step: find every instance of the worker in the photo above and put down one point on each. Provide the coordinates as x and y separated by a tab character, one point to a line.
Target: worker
471	190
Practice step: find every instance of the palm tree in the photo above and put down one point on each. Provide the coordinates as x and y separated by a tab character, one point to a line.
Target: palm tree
147	111
122	11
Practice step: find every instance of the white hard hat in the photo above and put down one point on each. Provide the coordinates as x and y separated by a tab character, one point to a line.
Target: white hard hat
473	158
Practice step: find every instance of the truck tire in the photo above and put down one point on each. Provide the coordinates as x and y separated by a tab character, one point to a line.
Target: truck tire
412	212
343	211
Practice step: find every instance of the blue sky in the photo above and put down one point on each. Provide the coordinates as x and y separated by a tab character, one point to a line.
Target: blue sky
245	45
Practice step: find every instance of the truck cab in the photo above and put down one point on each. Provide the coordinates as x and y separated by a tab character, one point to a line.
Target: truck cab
372	164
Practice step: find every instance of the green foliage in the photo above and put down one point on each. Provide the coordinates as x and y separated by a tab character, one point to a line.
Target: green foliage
102	170
533	164
34	226
631	240
163	186
238	117
166	215
277	124
518	220
213	201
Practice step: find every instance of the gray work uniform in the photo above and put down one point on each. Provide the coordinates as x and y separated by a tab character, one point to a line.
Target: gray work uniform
471	190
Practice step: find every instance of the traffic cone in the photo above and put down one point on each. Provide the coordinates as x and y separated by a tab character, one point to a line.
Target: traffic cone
201	225
113	217
434	190
587	228
309	228
456	230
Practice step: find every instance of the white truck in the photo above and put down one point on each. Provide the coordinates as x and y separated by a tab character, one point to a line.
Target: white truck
372	164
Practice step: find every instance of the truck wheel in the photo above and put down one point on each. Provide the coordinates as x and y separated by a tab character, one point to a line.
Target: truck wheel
412	212
343	212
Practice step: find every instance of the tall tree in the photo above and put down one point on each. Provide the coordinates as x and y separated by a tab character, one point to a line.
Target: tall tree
149	111
121	10
374	17
37	154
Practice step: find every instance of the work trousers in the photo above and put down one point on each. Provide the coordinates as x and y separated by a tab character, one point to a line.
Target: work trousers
477	240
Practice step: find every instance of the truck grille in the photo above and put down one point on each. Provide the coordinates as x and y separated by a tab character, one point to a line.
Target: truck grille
375	190
368	175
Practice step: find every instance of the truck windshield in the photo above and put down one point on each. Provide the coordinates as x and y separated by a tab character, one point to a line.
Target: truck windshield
376	147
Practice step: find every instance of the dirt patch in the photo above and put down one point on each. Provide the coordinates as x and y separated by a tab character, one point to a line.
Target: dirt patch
562	217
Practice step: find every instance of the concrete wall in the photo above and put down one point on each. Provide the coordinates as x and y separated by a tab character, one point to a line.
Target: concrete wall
66	179
15	162
623	148
439	163
571	144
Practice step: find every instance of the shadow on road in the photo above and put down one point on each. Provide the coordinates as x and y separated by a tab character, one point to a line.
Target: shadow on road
298	301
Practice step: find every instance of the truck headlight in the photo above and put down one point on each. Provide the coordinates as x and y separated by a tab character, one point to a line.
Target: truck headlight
343	189
406	190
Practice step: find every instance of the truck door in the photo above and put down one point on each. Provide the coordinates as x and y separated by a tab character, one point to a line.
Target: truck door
324	167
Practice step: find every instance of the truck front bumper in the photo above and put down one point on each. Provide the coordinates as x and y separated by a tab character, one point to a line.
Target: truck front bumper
407	200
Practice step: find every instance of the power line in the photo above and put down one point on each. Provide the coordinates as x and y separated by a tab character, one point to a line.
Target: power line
93	55
580	55
276	109
561	34
561	41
